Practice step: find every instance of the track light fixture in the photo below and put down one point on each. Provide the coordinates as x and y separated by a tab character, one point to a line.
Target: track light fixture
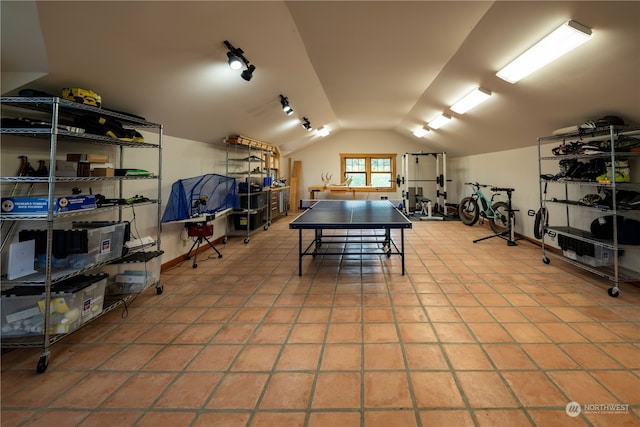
323	131
306	124
284	101
237	59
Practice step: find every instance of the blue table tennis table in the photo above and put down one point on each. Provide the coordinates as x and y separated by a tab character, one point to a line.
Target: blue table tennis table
351	215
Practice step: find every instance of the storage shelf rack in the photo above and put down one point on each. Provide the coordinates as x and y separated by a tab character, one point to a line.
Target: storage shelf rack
611	134
53	108
249	160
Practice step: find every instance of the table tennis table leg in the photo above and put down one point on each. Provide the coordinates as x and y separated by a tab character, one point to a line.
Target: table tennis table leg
300	252
387	242
402	248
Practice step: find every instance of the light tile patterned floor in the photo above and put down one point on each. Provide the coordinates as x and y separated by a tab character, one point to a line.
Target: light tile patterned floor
473	335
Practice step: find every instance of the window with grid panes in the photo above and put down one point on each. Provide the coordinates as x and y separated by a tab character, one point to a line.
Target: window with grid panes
374	171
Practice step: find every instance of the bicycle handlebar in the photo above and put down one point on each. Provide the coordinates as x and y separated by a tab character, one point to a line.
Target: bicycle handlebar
478	184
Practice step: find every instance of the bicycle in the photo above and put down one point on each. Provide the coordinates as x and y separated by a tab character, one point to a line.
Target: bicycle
496	212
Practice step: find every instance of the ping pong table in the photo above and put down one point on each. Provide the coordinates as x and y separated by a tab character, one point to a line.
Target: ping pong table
351	215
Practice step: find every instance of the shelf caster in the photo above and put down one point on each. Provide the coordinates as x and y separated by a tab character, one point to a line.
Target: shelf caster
225	239
614	292
246	240
546	260
159	289
43	363
266	227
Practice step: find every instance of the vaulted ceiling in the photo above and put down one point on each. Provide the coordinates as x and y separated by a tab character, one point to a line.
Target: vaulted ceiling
388	65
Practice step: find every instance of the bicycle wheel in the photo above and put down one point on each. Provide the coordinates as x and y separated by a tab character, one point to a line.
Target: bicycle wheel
468	211
500	221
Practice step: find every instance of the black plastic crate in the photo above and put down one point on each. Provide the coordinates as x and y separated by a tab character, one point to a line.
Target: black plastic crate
580	247
254	219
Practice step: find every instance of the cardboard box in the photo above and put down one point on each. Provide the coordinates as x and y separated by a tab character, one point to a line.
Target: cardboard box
40	205
88	157
103	172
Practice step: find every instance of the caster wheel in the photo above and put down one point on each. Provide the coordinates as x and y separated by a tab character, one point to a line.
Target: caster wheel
266	227
246	240
225	239
195	266
613	292
546	260
43	363
220	256
159	290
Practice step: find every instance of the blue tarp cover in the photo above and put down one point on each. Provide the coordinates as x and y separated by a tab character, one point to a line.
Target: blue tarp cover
202	194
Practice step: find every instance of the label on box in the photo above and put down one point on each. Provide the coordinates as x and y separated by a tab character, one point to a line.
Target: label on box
39	205
105	246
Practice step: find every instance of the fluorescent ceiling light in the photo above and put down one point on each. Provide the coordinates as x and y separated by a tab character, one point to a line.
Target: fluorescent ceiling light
563	40
323	131
420	132
439	121
471	100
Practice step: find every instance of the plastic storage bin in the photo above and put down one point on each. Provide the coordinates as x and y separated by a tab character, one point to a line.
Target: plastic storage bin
104	244
74	302
134	273
586	252
604	257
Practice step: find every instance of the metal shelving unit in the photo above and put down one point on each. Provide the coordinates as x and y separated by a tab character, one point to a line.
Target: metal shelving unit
249	161
54	109
614	272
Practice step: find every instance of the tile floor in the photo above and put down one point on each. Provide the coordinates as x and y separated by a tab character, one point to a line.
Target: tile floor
473	335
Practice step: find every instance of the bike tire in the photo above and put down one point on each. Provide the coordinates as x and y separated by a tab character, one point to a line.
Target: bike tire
500	221
541	223
468	211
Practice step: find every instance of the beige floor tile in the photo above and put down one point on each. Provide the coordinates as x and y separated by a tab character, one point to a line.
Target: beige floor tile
436	390
508	356
502	417
485	390
299	357
342	419
256	358
534	389
238	391
338	357
278	419
227	419
287	391
390	418
460	418
337	390
139	391
467	357
386	390
383	357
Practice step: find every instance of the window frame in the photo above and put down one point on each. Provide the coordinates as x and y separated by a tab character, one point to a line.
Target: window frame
368	156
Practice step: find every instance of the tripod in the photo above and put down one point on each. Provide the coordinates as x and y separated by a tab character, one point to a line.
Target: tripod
511	241
201	231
